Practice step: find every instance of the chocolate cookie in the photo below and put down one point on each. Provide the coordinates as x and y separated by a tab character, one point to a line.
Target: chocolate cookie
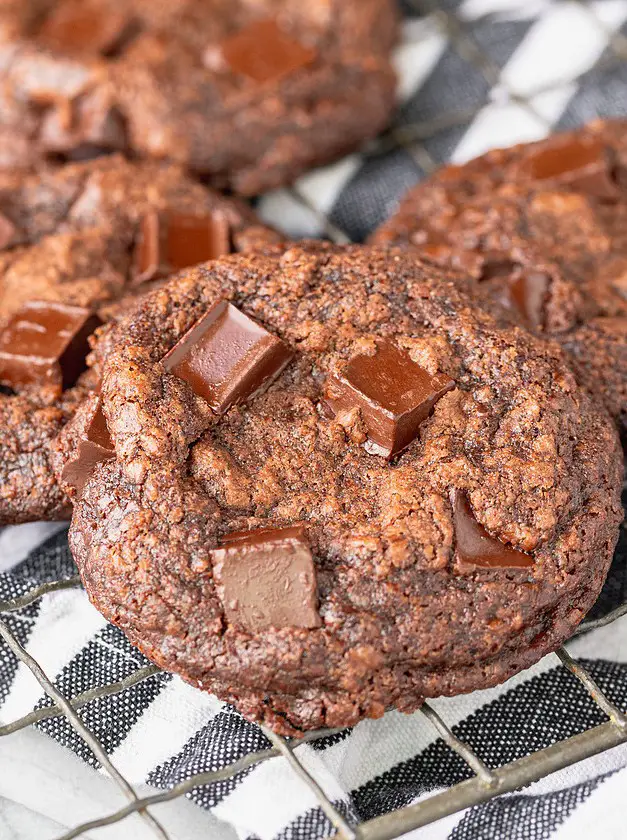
326	482
78	245
250	93
542	228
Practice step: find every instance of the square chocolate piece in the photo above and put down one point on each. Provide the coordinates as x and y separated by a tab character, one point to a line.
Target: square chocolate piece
528	293
94	446
266	579
393	394
475	546
169	242
80	27
264	52
584	164
46	344
227	357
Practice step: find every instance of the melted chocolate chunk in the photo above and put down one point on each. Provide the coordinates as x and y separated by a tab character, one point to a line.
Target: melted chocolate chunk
267	578
169	242
227	357
528	292
94	446
392	392
474	546
45	344
264	53
82	27
583	164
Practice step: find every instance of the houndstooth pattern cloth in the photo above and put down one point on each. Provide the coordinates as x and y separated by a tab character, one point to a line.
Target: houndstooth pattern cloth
472	75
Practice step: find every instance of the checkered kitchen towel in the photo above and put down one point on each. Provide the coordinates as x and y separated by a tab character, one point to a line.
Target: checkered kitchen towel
472	75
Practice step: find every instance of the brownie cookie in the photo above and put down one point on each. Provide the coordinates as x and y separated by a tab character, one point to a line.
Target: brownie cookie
251	93
325	482
542	228
78	244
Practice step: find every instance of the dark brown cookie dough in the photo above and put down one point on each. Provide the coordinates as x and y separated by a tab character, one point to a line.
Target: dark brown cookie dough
71	237
250	93
422	501
542	228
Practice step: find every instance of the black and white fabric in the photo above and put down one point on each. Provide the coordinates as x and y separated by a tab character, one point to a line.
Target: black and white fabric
472	75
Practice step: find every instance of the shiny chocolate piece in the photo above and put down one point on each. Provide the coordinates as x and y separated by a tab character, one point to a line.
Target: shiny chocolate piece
227	357
81	27
259	534
267	578
582	164
169	242
45	343
392	392
475	547
528	292
94	447
263	52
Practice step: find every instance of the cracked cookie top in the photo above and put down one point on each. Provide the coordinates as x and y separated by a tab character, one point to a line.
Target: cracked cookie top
541	229
336	484
79	245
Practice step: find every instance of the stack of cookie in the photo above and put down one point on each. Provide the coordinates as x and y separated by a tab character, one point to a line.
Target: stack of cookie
318	481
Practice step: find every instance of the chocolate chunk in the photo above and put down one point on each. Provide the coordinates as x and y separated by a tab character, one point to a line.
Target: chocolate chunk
90	123
583	164
94	446
259	534
524	289
264	52
528	292
169	242
267	578
495	267
81	27
46	344
475	546
227	357
392	392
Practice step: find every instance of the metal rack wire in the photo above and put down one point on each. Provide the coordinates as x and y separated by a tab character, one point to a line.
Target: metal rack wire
485	783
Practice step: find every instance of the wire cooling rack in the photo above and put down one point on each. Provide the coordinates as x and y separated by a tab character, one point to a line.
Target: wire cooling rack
485	783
